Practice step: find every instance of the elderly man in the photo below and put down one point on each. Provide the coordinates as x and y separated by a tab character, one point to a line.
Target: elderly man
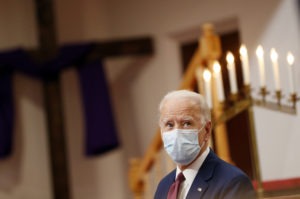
185	124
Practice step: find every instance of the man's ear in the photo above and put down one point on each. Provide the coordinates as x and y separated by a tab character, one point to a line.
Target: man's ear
208	129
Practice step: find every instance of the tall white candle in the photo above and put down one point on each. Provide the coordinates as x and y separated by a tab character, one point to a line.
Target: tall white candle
290	60
207	81
260	57
274	59
245	64
231	70
219	81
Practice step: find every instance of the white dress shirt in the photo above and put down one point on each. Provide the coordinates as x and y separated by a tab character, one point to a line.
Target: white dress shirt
190	174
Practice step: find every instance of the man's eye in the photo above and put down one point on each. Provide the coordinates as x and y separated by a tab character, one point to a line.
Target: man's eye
187	124
169	125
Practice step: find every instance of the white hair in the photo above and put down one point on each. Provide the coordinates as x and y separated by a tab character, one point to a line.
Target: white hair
194	97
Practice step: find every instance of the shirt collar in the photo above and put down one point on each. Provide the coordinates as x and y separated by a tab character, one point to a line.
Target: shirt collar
191	171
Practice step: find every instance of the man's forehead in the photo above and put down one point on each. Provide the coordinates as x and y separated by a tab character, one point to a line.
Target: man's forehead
165	118
180	113
181	106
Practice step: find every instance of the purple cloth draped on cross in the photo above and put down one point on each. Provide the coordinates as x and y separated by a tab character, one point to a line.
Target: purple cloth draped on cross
101	134
6	114
98	114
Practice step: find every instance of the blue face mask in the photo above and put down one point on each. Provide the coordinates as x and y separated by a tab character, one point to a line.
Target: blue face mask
182	145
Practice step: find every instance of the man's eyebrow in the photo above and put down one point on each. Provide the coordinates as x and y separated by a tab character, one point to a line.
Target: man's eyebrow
187	118
184	118
164	119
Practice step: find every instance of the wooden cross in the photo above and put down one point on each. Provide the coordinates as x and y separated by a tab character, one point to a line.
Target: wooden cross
47	49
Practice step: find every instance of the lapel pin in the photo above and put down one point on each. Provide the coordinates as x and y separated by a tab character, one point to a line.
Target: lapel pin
199	189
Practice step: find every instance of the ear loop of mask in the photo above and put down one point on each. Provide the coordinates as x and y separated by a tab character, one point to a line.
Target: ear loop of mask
204	141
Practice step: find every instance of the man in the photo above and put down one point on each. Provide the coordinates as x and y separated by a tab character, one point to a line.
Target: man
185	124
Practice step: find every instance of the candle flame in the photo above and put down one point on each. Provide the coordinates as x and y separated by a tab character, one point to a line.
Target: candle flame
273	55
206	75
290	58
243	50
230	57
260	51
216	67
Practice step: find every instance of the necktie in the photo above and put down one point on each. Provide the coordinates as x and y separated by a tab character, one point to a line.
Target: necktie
173	191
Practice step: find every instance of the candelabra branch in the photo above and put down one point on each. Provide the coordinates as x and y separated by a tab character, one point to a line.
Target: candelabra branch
247	91
234	97
234	105
232	111
275	106
294	98
278	97
278	106
263	92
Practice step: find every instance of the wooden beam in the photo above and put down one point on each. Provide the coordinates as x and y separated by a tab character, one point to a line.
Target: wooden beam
46	29
123	47
140	46
53	102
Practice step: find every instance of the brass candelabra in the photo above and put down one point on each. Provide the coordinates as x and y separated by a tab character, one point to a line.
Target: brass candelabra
244	101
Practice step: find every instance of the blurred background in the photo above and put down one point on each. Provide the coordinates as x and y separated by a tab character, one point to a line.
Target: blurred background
57	142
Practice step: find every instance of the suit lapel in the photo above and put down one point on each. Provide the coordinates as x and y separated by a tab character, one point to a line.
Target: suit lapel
197	189
205	173
169	181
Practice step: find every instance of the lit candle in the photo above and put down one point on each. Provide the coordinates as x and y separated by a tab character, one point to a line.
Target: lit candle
290	60
231	70
260	57
218	80
207	78
245	64
274	59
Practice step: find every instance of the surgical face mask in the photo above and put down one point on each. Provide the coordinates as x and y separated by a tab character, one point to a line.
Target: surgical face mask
182	145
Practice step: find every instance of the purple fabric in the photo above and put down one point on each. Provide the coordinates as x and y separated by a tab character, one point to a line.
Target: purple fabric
10	61
101	134
6	115
69	55
18	60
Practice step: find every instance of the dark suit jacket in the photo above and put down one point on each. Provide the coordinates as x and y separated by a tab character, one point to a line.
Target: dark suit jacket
215	179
